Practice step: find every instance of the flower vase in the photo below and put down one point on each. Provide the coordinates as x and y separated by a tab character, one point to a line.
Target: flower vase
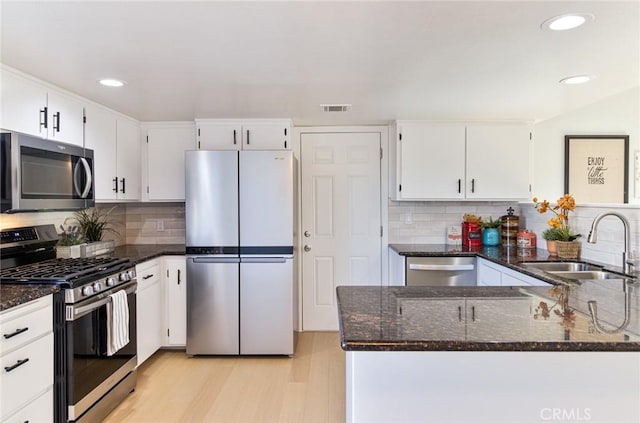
552	248
568	249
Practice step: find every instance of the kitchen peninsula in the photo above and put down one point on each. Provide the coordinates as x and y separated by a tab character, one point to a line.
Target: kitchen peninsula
494	354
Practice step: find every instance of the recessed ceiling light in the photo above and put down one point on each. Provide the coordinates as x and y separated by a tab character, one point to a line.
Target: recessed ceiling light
568	21
576	79
109	82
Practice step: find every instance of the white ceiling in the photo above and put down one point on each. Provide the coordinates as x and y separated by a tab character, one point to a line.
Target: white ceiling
391	60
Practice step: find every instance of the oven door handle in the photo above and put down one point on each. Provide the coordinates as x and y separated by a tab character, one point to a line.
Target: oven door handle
76	312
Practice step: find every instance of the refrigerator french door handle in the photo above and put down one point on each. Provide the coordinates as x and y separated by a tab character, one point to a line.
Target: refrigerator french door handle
216	259
263	259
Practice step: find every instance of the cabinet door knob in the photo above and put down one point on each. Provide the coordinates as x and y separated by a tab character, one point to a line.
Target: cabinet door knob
307	234
307	248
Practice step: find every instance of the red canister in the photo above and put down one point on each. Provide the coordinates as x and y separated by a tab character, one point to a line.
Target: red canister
471	234
526	239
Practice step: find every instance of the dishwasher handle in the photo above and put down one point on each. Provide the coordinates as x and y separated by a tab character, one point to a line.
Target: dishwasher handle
449	267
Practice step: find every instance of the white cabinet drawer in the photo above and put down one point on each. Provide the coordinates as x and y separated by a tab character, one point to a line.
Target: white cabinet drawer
148	273
21	383
39	410
22	324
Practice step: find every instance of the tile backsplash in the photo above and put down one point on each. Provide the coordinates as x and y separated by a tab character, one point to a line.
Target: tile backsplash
426	222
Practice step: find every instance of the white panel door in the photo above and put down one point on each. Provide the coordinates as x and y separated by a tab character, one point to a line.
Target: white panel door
128	163
24	105
340	220
166	146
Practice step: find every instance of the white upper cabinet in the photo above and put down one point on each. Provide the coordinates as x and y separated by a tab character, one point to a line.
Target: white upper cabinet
115	141
166	144
458	161
219	135
498	161
432	161
128	159
37	109
239	134
100	136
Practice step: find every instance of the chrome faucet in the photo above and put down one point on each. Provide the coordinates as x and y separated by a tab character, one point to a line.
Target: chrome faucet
593	236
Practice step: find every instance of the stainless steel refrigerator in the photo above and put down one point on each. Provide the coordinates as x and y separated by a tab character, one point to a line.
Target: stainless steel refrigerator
239	235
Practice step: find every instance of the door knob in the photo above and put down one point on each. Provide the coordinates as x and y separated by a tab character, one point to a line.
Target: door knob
307	234
307	248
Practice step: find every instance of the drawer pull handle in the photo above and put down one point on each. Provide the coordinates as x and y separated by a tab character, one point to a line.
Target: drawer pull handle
15	366
17	332
147	276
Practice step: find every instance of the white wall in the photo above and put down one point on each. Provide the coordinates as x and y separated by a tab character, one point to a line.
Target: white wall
615	115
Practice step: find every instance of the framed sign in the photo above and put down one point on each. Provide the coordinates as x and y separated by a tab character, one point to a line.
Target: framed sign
596	168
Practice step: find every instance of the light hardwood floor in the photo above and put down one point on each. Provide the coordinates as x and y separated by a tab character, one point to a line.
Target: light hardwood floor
310	387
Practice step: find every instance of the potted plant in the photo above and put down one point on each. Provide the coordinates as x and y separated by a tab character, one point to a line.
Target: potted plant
69	241
95	222
490	234
559	231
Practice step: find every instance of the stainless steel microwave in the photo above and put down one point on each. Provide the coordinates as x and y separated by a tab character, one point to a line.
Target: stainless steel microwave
39	174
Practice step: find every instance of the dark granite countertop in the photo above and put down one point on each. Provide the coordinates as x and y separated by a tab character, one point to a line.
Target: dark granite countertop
509	257
374	318
14	295
139	253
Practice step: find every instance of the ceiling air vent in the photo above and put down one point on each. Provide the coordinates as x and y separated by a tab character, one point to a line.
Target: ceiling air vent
335	107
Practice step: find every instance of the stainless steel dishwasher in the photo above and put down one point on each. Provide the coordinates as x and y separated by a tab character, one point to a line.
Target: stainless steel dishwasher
441	271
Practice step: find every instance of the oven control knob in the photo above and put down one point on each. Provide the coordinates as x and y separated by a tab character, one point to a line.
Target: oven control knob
97	287
131	274
87	290
124	277
110	281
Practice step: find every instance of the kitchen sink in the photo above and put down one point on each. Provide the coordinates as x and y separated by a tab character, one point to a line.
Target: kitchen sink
567	266
588	275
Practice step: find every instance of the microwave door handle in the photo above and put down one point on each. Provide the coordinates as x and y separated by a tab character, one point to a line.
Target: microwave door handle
87	172
76	183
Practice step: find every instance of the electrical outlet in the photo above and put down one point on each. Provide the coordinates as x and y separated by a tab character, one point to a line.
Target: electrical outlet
408	219
160	225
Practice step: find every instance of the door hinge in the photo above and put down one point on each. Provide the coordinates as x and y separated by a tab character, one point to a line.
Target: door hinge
380	153
147	189
381	231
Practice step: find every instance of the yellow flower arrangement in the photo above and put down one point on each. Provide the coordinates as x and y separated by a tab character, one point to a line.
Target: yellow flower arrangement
559	229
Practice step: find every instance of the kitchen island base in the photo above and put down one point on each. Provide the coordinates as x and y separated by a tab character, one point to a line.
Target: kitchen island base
492	386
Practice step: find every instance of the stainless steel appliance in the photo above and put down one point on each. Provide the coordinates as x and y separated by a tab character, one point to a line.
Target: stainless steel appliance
39	174
90	381
239	236
441	271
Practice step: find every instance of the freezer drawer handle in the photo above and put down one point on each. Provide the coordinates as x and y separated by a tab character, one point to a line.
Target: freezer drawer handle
215	260
264	260
414	266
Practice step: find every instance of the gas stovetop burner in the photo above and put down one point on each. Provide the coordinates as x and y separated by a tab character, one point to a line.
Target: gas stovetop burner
62	271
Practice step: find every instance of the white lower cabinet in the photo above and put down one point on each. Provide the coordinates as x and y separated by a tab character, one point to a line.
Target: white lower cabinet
492	274
459	319
150	310
175	285
26	357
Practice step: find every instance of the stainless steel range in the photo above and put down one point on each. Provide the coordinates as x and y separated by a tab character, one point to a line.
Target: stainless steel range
96	370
